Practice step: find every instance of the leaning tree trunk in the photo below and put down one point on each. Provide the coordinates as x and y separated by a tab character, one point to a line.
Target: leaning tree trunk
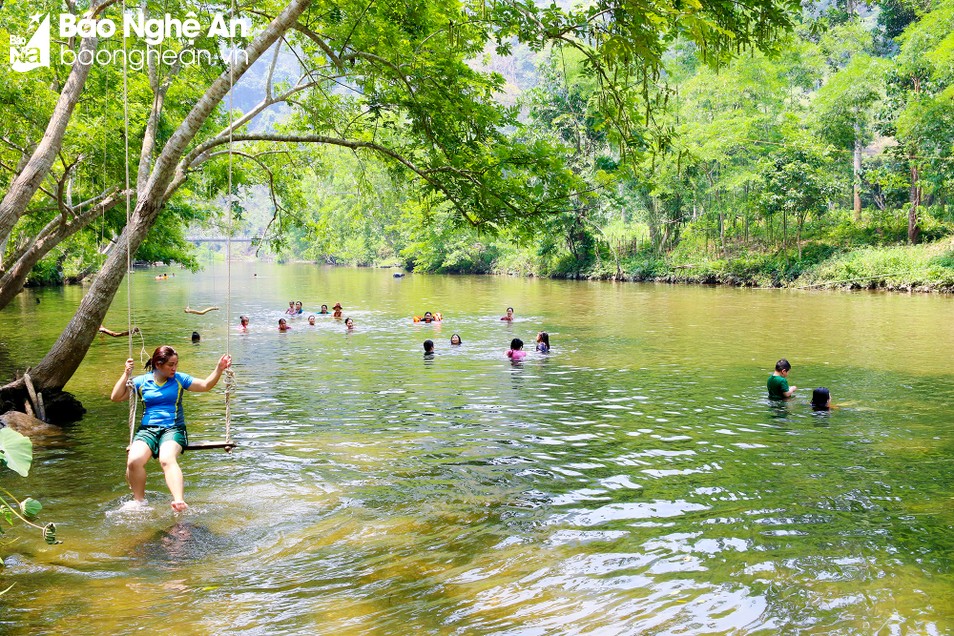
28	181
14	278
61	362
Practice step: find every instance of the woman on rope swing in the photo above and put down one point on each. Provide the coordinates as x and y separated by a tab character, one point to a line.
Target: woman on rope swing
162	433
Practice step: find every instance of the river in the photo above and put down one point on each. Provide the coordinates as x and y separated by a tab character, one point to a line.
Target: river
635	480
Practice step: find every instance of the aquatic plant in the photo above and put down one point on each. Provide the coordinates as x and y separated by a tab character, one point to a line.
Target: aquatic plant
16	453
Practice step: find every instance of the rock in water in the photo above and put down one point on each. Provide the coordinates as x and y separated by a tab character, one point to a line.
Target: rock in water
29	426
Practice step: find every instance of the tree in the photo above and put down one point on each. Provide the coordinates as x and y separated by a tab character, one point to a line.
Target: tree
844	111
920	108
796	184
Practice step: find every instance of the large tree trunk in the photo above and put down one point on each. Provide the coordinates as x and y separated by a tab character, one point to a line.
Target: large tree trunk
856	173
61	362
28	181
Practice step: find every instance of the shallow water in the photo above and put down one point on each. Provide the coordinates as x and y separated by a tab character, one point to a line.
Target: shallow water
635	480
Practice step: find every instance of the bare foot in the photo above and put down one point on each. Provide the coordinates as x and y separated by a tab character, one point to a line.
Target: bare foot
179	506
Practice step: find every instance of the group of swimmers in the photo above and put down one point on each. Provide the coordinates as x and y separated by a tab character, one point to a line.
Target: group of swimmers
778	388
516	352
295	309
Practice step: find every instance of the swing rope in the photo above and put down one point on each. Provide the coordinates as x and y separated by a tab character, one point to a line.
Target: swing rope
129	380
229	374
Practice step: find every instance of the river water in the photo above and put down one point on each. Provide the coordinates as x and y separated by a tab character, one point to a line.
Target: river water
633	481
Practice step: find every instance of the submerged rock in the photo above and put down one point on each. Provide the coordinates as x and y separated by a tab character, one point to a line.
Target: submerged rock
27	425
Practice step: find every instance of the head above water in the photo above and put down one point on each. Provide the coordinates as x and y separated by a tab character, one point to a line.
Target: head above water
455	339
196	337
428	346
516	344
783	365
821	399
544	337
243	320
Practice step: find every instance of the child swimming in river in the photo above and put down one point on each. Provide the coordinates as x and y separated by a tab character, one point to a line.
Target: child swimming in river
543	342
516	352
821	399
777	384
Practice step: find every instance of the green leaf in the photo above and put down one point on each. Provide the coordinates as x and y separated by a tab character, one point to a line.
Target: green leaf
30	507
17	451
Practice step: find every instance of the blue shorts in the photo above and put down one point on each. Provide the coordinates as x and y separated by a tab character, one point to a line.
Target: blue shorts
156	436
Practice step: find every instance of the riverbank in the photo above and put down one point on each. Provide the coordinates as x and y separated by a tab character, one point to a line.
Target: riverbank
919	268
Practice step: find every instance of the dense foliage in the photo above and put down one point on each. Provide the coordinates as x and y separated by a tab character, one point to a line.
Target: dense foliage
756	171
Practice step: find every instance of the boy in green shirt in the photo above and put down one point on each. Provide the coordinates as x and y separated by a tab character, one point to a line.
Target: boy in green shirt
778	388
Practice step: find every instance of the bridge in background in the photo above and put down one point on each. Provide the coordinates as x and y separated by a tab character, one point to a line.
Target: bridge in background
216	239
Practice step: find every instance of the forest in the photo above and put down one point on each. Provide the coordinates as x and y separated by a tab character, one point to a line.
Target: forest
826	162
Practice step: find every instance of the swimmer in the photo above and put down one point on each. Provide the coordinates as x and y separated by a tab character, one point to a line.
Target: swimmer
349	324
196	337
509	316
455	339
324	309
777	384
298	310
543	342
516	352
311	320
337	309
283	325
243	323
291	308
821	399
428	348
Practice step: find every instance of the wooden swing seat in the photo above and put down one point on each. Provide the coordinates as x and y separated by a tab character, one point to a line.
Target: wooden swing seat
228	446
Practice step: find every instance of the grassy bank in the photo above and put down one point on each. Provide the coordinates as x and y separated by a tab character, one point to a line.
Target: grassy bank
928	268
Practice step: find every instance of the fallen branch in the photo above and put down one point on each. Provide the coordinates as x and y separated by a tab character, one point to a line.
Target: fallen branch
200	312
116	334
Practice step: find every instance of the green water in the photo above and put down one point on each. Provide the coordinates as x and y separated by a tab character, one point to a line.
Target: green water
633	481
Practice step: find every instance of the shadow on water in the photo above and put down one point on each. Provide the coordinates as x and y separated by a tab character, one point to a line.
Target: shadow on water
182	543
